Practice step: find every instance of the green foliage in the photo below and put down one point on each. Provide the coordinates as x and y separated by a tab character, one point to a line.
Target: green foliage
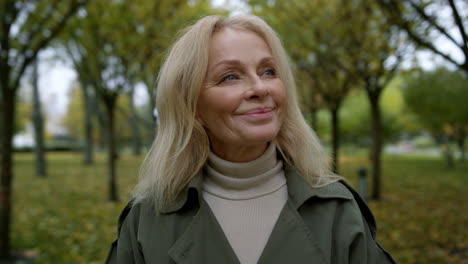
133	35
438	98
355	116
66	219
73	119
119	44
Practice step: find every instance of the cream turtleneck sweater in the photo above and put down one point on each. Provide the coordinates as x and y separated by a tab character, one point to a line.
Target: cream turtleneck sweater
246	199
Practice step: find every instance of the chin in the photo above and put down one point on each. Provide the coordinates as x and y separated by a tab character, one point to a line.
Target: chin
260	138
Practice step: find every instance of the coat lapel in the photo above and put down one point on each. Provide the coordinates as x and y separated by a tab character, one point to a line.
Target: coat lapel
203	241
292	241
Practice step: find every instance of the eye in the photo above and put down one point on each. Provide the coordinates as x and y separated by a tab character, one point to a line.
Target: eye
229	77
269	72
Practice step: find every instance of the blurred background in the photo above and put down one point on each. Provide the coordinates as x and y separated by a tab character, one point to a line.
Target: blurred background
384	84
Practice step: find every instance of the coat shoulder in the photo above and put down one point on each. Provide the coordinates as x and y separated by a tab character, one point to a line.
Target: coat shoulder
336	189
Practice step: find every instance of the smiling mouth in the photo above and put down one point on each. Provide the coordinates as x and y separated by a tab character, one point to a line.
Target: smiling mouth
259	113
261	110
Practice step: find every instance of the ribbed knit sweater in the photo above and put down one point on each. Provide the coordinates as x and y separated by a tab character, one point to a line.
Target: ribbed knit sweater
246	199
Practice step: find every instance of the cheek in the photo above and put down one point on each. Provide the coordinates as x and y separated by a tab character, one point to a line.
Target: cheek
226	100
279	96
216	105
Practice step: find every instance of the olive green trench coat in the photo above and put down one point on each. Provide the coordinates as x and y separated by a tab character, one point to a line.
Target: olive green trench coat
317	225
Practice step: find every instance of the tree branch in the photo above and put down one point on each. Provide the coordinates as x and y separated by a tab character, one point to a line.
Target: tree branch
432	21
55	30
461	27
424	43
39	26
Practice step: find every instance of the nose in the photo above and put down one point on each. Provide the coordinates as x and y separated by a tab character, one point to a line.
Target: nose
258	89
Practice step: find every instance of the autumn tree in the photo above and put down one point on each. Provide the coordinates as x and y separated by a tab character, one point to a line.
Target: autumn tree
438	98
309	98
74	118
153	26
89	107
96	45
378	50
27	27
115	45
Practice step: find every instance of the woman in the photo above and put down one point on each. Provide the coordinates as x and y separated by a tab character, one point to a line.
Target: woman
235	174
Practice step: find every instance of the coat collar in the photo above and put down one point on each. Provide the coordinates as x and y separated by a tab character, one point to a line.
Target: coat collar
191	246
299	191
196	184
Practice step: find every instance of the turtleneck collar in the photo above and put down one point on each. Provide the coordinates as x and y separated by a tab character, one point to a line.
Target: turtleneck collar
244	180
244	169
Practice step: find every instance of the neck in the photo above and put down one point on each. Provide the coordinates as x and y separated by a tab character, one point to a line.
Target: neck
239	154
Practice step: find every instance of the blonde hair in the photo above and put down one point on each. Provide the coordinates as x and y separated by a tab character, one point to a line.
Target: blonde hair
181	146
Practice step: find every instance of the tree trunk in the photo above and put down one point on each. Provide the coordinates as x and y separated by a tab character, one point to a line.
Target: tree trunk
38	121
1	118
376	148
111	151
461	143
449	153
152	103
97	107
88	151
6	173
152	99
335	138
136	140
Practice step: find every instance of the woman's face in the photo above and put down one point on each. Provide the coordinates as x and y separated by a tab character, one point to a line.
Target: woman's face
241	102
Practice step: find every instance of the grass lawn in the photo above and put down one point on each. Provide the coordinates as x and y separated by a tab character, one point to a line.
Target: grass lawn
65	218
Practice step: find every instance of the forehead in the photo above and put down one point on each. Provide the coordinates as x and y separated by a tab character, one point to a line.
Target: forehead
235	42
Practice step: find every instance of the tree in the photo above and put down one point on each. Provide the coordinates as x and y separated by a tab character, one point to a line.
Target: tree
107	72
332	85
74	118
356	116
27	27
38	124
152	25
438	98
88	97
133	121
309	98
426	20
111	61
378	51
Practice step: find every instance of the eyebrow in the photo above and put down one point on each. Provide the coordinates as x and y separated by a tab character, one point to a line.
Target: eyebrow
237	62
227	62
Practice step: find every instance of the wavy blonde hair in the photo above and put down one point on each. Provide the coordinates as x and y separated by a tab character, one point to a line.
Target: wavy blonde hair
181	146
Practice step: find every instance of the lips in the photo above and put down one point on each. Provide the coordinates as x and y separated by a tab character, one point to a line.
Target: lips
259	114
259	110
